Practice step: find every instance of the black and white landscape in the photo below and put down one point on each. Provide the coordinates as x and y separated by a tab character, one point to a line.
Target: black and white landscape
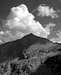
30	37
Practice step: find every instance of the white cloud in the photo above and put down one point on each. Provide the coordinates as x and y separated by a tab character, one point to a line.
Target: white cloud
47	11
49	27
58	38
22	20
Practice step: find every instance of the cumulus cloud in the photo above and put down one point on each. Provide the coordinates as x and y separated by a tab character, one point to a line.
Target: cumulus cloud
58	38
49	27
44	10
22	20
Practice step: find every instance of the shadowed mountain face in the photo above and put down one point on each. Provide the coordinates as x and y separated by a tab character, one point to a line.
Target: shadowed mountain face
36	56
14	49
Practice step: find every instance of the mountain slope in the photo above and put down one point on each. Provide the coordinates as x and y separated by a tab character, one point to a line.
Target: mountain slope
14	49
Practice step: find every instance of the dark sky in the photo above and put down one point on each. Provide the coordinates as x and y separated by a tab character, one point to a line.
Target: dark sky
5	5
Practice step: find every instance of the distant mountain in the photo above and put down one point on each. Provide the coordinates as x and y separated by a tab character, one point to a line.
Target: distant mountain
14	49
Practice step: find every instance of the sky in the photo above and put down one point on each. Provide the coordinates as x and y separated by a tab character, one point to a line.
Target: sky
6	5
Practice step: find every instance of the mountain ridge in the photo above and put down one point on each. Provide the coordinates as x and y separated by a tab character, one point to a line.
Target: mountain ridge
15	48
